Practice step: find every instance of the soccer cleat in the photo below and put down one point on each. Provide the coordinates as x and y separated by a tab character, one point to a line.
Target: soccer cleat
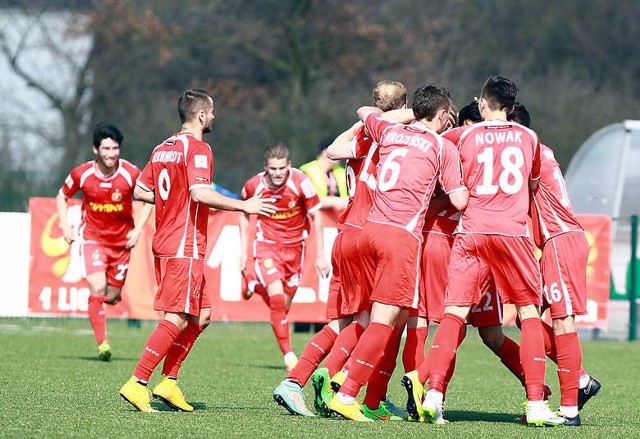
337	381
137	395
323	392
572	422
289	395
546	393
415	393
543	417
167	391
104	351
347	411
433	410
585	394
381	413
395	410
290	361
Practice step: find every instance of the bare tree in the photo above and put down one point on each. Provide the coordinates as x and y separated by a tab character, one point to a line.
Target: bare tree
49	52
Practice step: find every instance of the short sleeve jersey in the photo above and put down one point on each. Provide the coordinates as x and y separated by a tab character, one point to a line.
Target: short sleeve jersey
107	212
412	162
551	210
294	200
361	179
178	165
498	160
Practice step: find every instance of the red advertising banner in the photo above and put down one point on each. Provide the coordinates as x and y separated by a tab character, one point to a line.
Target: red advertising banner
598	231
56	287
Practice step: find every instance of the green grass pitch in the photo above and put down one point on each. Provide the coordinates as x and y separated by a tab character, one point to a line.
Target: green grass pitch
53	385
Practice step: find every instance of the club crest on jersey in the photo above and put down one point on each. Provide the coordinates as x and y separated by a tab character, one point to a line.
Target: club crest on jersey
268	263
292	204
116	196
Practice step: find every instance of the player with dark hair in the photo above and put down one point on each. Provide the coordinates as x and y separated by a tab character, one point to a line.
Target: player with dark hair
178	179
107	232
501	164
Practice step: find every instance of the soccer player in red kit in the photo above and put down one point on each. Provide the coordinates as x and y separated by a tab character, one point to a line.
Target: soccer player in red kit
107	232
347	309
410	165
501	163
178	179
279	245
563	264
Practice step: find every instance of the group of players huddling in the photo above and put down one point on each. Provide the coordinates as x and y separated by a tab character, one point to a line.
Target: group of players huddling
447	210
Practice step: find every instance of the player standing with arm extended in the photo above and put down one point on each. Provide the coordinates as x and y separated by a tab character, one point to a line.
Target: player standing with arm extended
390	241
177	179
107	232
279	245
565	251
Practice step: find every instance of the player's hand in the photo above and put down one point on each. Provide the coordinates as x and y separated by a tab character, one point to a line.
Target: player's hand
323	267
259	205
132	239
67	234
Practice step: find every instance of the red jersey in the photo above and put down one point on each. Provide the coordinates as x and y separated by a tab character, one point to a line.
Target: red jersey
361	179
551	211
177	165
412	161
107	212
294	200
498	160
446	221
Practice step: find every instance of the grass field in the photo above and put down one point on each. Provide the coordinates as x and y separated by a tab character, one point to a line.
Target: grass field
52	385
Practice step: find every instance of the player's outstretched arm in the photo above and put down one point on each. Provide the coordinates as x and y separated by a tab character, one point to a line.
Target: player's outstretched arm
144	194
212	198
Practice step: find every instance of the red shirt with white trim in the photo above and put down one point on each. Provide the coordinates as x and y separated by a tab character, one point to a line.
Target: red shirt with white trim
498	160
178	165
412	161
107	212
295	199
361	179
551	210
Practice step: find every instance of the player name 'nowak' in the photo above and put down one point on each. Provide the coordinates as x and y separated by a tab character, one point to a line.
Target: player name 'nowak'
166	156
498	137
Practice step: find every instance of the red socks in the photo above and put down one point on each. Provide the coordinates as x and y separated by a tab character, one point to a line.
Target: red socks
532	357
365	356
156	348
279	322
180	349
569	367
98	317
344	344
509	354
314	352
379	381
413	352
442	353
